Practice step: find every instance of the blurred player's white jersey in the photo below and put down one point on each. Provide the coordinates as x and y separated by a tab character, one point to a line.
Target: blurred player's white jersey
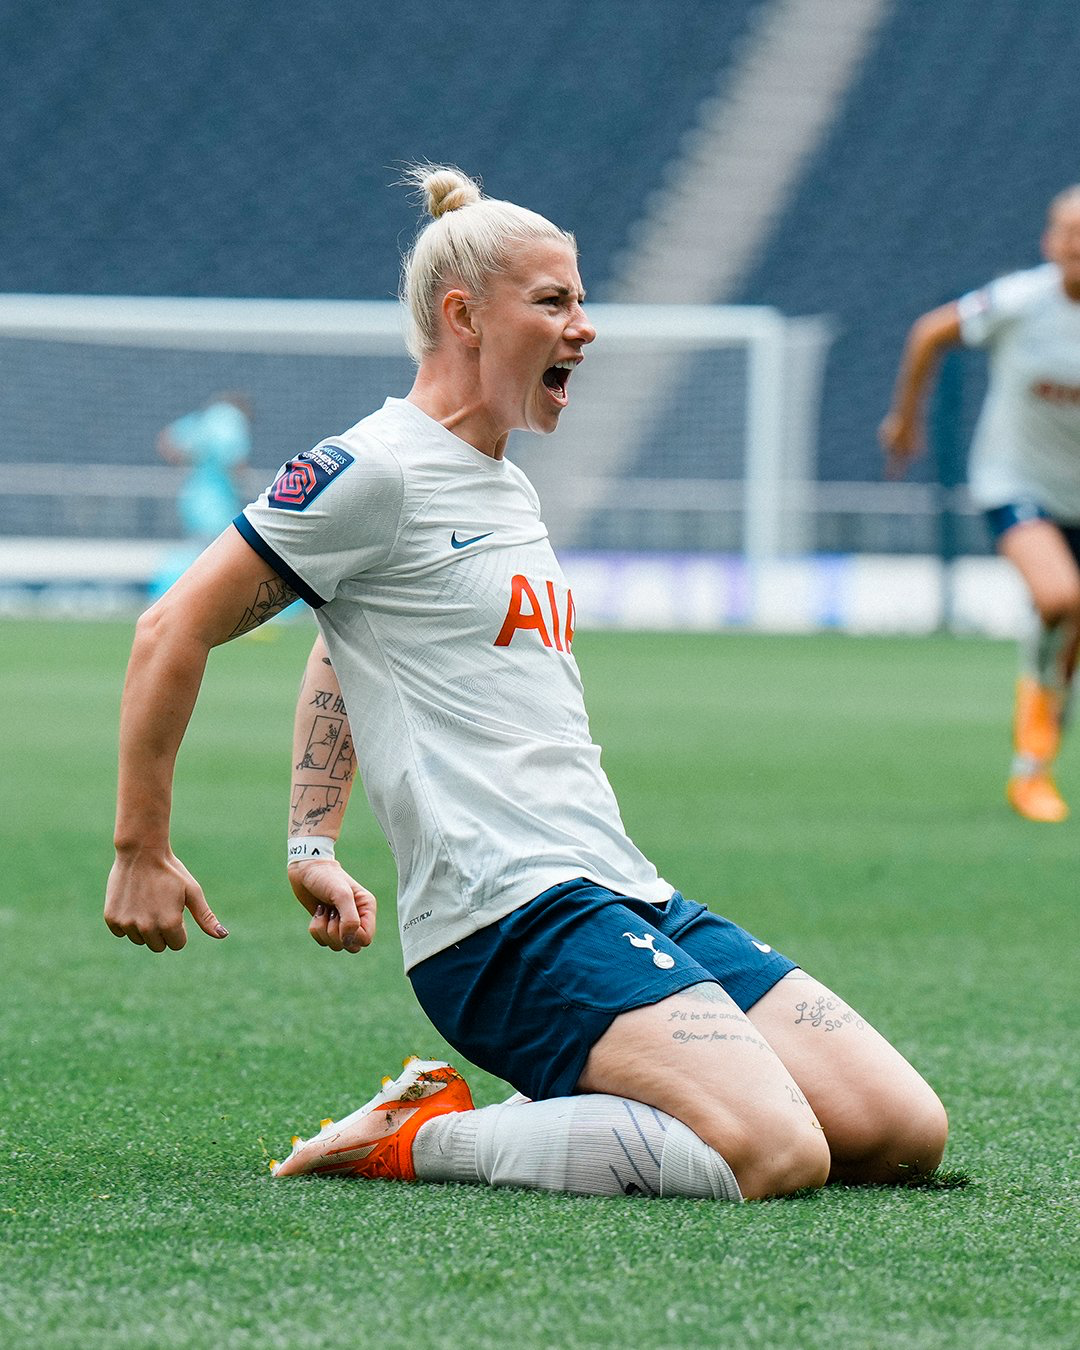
450	623
1027	441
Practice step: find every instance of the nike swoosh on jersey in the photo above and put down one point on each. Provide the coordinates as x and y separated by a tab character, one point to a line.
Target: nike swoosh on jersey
455	542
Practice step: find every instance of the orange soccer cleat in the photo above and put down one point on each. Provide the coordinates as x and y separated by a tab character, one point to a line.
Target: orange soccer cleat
1036	737
1035	797
376	1140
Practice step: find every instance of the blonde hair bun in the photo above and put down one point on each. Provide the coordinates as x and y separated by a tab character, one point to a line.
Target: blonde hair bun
443	187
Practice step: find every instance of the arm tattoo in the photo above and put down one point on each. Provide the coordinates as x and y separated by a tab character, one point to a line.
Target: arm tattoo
326	738
345	765
310	803
271	598
322	741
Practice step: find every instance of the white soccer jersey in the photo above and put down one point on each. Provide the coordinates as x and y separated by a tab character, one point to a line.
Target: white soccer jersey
1027	440
450	623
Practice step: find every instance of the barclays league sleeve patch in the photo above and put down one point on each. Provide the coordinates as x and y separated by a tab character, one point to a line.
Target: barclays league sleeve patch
303	478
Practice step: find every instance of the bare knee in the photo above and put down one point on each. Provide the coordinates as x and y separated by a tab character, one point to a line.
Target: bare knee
1055	609
888	1143
777	1161
1057	603
918	1143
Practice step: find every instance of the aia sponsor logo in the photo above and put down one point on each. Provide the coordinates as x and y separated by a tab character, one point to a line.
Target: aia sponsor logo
551	620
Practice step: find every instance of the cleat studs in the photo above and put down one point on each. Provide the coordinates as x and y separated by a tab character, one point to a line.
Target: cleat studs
385	1082
295	1140
323	1123
273	1163
410	1059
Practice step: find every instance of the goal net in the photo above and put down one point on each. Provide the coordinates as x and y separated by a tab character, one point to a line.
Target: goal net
689	428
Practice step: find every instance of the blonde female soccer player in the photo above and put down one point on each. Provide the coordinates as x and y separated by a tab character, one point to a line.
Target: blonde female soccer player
1024	469
664	1049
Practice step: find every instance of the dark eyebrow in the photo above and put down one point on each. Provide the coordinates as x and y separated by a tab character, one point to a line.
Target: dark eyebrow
561	291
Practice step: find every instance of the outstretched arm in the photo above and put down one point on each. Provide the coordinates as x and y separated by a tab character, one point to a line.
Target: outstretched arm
324	764
228	591
902	433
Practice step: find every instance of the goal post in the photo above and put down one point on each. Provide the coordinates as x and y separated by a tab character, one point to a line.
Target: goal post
690	428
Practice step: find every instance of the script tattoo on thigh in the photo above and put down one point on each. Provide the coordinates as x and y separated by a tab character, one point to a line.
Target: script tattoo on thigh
710	993
684	1037
271	598
829	1013
698	1023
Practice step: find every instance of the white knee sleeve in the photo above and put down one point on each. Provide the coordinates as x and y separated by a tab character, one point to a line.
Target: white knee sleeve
592	1144
689	1167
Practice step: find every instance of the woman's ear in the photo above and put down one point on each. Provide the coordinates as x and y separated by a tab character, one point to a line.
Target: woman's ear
460	312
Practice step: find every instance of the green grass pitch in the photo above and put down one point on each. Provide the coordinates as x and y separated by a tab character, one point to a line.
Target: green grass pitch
841	797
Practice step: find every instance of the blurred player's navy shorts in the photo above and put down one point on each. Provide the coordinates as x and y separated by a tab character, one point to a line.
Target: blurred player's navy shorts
1000	519
529	996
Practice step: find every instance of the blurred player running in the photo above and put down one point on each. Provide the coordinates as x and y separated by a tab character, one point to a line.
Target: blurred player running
214	444
1024	470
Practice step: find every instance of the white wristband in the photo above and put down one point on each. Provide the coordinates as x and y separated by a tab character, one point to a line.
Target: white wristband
319	846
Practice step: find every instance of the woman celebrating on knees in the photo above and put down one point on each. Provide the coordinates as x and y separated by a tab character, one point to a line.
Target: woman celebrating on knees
657	1048
1024	471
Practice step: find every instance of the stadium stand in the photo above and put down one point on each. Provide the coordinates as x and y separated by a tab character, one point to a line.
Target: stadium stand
246	150
934	179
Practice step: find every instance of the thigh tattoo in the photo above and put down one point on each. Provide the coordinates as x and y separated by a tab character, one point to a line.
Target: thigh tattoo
828	1012
710	1006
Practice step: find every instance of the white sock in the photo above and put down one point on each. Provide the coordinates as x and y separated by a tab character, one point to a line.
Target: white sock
587	1145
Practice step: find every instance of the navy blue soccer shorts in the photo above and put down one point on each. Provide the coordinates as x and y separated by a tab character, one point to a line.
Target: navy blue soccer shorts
527	997
1001	519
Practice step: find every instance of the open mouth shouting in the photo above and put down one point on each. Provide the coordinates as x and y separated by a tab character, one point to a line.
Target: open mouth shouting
556	378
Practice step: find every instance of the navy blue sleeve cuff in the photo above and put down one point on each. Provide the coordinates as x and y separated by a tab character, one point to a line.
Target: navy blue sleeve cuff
280	566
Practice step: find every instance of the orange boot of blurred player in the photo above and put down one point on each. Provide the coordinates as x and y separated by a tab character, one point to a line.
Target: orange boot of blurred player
1036	736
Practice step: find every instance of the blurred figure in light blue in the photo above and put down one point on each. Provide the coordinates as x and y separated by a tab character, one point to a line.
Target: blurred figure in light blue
214	442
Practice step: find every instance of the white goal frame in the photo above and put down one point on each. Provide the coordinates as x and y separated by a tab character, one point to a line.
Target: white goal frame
784	366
